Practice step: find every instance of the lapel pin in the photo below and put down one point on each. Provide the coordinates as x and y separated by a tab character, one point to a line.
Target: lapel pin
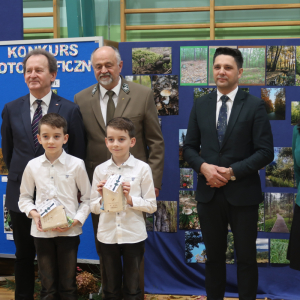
56	104
94	90
122	98
125	88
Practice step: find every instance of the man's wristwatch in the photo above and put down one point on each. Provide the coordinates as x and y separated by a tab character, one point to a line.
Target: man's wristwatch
232	177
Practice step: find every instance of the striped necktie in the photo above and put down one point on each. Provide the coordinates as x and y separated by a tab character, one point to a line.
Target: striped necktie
35	122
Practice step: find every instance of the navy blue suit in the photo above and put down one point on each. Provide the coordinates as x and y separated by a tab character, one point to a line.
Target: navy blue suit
18	148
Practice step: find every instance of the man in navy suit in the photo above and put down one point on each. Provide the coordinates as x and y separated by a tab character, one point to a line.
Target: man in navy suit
18	147
236	141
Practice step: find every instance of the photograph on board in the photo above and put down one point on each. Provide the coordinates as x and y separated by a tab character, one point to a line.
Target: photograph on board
6	218
280	172
186	178
165	217
3	168
254	66
280	65
195	251
193	65
140	79
274	102
182	135
262	251
261	216
152	60
278	251
297	65
166	96
188	215
149	222
295	112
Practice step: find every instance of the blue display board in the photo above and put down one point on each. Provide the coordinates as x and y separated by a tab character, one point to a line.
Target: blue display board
166	271
75	73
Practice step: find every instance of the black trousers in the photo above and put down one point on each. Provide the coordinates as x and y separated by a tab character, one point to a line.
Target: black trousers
118	275
214	218
25	255
57	259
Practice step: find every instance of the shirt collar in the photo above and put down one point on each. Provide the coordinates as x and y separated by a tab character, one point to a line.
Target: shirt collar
61	159
116	89
46	99
230	95
129	162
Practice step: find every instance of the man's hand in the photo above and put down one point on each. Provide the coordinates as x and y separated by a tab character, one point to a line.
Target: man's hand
66	228
156	192
225	172
37	219
213	178
100	187
126	190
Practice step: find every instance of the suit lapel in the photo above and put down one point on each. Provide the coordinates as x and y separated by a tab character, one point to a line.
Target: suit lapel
235	111
54	105
212	108
27	120
123	99
95	102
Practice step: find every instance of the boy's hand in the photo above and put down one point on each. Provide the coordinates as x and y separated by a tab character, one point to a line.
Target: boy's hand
100	187
126	190
37	219
67	228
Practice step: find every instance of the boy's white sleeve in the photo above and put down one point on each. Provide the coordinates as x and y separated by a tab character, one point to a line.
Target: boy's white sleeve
84	186
27	188
95	196
147	201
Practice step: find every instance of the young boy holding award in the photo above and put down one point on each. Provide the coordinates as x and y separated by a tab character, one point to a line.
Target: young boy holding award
122	190
55	177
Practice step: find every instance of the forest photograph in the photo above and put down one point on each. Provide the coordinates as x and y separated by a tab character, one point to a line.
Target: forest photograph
193	65
261	217
211	53
188	215
199	92
165	217
152	60
182	135
262	251
274	102
278	251
3	168
149	222
279	212
280	65
166	97
254	65
143	80
295	112
195	251
280	172
6	218
298	65
186	178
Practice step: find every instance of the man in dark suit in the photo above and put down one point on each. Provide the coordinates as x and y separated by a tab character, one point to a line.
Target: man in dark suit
19	145
234	133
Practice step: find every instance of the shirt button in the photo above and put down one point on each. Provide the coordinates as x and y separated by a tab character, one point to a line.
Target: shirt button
118	213
118	224
51	177
52	166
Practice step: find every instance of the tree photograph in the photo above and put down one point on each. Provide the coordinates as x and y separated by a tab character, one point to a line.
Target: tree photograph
295	112
199	92
6	218
230	249
193	65
143	80
182	135
261	216
279	212
262	251
297	65
274	99
149	222
280	172
165	217
152	60
188	215
254	65
3	168
186	178
281	65
195	251
278	251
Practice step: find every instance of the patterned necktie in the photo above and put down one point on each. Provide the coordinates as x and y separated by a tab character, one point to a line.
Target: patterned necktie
110	106
35	121
222	121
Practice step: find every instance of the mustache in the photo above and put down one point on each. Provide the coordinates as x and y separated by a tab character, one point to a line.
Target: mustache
105	74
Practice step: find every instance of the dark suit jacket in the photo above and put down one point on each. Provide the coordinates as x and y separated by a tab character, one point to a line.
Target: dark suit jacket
135	103
17	140
247	146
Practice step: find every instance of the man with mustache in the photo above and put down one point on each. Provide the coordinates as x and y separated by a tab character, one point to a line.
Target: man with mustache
19	145
235	136
112	97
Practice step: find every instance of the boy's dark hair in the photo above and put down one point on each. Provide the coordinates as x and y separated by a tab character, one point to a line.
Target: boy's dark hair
52	62
55	121
121	123
235	53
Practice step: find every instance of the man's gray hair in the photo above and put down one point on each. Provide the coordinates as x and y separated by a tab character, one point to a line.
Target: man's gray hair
118	56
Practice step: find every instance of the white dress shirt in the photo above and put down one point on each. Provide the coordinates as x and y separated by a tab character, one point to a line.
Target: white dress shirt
127	226
45	104
68	175
229	103
104	98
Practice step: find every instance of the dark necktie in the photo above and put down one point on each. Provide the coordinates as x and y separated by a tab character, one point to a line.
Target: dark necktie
35	121
110	106
222	120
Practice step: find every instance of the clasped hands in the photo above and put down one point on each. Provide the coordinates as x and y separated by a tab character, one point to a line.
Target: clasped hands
215	176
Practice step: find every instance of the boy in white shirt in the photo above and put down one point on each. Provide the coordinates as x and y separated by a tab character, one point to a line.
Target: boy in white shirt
59	175
123	233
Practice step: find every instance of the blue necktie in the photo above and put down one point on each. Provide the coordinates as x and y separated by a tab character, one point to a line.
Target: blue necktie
35	121
222	121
